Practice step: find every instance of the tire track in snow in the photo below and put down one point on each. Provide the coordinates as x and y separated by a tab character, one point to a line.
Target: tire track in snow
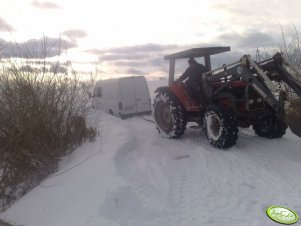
186	181
270	160
180	198
184	170
186	190
142	195
185	167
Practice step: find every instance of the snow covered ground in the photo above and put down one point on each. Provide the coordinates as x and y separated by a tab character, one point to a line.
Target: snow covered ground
131	176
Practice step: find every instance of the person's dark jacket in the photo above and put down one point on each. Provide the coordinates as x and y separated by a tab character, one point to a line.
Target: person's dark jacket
194	74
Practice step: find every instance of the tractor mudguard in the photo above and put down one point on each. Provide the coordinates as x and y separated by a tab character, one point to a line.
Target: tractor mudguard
179	90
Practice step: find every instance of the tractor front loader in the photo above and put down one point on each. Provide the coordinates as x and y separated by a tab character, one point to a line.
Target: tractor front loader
264	95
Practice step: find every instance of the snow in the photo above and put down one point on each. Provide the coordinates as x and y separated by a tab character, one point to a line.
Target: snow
132	176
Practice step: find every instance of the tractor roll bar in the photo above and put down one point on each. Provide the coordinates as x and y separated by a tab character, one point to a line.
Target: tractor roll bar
205	52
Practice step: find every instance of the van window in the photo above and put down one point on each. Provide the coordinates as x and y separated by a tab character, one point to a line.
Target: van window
98	92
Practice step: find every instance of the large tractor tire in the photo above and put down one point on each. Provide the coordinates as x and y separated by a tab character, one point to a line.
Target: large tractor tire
269	126
220	127
169	116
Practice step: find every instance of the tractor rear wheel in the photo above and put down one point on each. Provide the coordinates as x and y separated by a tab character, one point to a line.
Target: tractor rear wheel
169	116
220	127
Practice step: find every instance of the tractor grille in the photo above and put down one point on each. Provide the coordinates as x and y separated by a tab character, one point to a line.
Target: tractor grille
254	100
255	104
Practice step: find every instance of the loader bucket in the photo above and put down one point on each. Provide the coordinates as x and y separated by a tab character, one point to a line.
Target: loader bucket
293	116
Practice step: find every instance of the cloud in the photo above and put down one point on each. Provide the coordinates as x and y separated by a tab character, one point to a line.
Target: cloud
35	48
138	59
4	26
225	58
116	57
147	55
134	71
45	5
255	23
255	39
130	63
249	40
149	58
146	48
157	61
233	8
75	34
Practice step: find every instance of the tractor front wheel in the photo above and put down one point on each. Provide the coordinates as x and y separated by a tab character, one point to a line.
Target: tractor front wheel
220	127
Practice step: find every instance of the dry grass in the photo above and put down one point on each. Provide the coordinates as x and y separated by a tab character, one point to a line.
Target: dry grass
42	118
3	223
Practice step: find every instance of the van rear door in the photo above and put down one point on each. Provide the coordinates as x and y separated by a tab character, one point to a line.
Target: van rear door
127	103
142	96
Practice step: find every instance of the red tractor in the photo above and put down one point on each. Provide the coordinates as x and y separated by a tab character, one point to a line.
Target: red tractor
241	94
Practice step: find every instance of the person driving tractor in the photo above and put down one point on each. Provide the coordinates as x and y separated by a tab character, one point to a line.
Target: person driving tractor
193	74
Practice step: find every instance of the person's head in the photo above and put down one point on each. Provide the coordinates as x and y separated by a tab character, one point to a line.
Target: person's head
191	61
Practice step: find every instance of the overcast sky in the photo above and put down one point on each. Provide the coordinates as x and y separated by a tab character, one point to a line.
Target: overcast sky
132	36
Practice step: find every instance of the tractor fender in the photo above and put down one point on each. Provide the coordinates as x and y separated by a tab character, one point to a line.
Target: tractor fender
166	89
178	91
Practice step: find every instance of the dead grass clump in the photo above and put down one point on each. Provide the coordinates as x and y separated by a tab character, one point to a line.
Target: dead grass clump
42	118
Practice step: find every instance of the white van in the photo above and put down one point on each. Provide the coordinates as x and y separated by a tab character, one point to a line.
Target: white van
122	97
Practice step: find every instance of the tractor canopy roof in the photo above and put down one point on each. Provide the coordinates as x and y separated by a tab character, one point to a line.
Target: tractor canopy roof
205	52
197	52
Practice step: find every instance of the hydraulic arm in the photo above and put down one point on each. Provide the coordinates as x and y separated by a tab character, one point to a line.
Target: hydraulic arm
266	78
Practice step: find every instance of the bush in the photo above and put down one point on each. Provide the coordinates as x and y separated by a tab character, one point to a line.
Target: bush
3	223
290	48
42	118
